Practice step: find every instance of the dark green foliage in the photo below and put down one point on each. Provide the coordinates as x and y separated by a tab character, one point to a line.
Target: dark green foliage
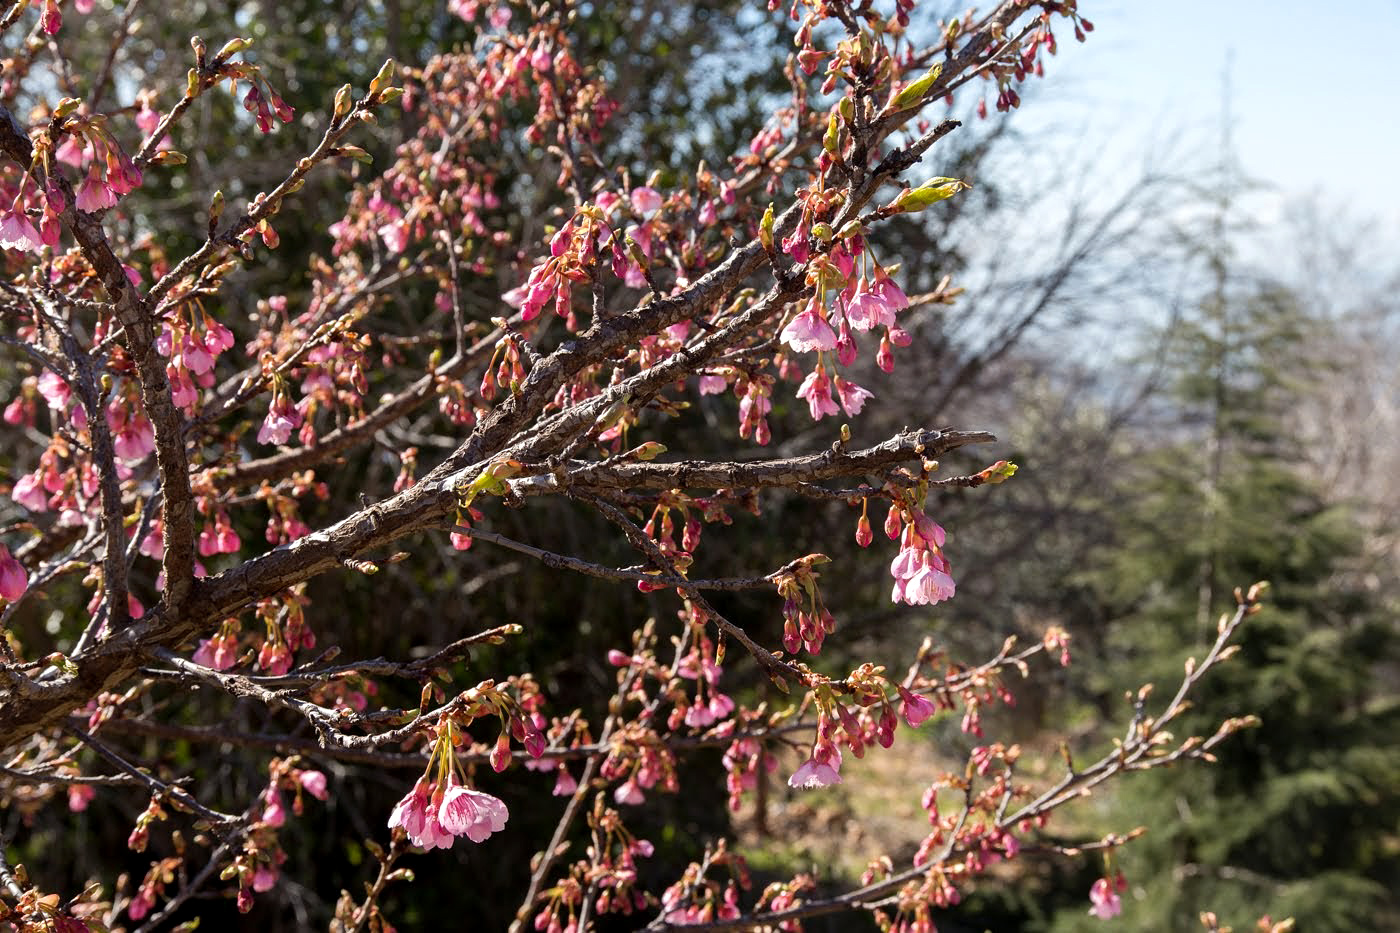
1300	815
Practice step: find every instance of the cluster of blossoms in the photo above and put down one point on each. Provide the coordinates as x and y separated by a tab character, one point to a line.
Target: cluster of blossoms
441	806
257	866
610	875
873	720
193	347
921	573
434	814
710	705
640	760
592	238
860	306
697	898
746	761
806	620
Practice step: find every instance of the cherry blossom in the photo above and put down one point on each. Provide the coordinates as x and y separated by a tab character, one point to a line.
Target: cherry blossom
13	578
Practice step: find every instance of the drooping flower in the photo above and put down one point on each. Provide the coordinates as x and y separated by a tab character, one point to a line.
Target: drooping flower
887	291
816	389
813	773
13	578
274	813
712	384
932	584
264	878
51	21
79	796
419	818
922	575
133	438
18	232
1104	898
646	200
629	793
852	396
282	419
868	309
916	707
314	783
565	784
471	813
274	657
94	194
29	492
809	331
218	653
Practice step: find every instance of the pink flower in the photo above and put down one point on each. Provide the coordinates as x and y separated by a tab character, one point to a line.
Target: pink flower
183	391
868	309
133	438
140	905
19	411
809	331
471	813
698	716
1105	900
275	657
79	796
51	21
916	708
94	194
646	200
217	337
18	232
720	705
395	236
264	878
814	773
314	783
931	584
13	578
852	396
218	653
147	119
711	384
274	814
565	784
629	793
922	575
411	813
887	291
29	492
816	389
276	429
196	356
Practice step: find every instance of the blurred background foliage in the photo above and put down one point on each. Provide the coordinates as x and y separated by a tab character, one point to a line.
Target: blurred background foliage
1187	419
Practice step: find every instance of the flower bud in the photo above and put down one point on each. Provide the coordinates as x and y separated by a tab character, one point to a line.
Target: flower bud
232	47
344	98
913	95
912	200
381	80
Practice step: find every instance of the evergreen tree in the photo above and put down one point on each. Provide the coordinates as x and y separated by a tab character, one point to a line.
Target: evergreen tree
1300	816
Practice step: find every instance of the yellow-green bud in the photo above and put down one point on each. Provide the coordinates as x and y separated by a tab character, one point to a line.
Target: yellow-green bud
913	95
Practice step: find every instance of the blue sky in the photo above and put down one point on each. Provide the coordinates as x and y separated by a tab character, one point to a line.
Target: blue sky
1315	93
